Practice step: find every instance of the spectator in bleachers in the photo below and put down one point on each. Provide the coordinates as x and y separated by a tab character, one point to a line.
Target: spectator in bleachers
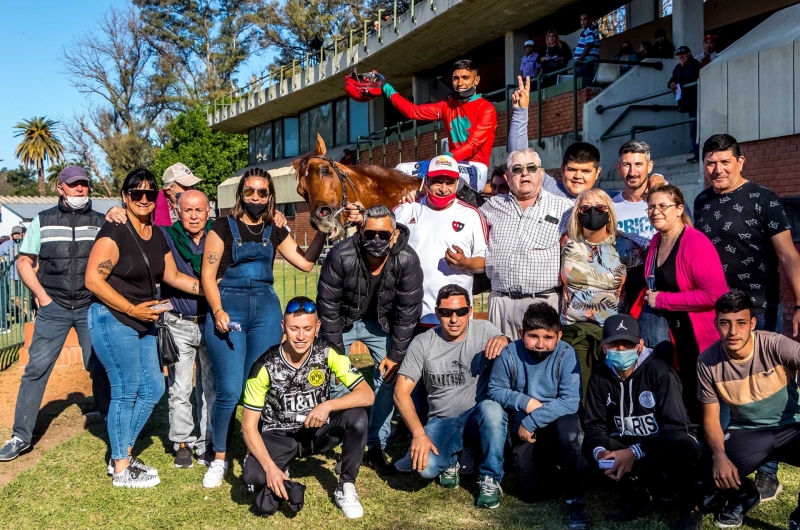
529	67
498	182
626	53
662	47
588	48
645	50
709	50
687	71
556	56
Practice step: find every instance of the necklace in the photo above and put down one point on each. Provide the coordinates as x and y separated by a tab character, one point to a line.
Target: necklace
255	233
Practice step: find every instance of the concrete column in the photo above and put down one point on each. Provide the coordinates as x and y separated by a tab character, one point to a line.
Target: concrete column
514	52
687	24
641	12
420	89
376	114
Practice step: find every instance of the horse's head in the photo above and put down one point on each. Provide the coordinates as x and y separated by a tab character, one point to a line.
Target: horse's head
319	183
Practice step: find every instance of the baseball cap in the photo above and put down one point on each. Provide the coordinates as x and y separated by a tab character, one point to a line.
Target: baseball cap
181	174
682	49
17	230
528	42
710	36
71	174
621	327
443	166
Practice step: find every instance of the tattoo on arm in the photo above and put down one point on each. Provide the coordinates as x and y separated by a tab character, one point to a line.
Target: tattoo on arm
194	287
213	257
105	268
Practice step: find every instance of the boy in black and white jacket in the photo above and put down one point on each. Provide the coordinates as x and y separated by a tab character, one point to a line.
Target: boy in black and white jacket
636	424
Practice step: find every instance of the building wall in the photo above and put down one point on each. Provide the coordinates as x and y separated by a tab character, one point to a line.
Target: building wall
301	229
771	163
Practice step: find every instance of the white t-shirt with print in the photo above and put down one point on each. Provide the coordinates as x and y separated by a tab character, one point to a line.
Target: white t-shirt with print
432	232
632	218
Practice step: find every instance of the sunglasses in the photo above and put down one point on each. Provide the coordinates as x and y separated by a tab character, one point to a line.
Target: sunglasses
137	194
599	208
447	313
262	192
531	168
294	306
384	235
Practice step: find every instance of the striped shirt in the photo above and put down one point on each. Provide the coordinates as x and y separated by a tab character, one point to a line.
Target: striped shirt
589	36
761	390
524	251
37	234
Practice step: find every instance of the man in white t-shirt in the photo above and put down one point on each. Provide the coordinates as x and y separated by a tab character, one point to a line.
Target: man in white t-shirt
448	235
634	166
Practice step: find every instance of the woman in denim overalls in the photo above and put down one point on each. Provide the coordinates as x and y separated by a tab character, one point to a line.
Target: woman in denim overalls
244	295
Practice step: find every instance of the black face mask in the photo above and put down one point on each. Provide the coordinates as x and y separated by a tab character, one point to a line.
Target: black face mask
465	95
377	248
538	355
593	220
255	210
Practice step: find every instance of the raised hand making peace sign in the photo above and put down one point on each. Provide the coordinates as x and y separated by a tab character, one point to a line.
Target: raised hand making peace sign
522	96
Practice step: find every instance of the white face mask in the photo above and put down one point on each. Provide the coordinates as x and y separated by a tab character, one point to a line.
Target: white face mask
76	203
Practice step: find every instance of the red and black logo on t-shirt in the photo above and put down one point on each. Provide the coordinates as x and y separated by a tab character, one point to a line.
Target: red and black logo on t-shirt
458	226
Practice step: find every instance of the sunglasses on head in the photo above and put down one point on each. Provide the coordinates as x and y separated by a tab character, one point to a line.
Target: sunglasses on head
447	313
517	170
599	208
294	306
384	235
136	194
262	192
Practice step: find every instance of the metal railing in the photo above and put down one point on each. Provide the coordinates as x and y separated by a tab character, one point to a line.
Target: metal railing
346	43
16	310
631	105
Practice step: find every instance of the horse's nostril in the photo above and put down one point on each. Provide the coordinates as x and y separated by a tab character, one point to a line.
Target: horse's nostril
324	212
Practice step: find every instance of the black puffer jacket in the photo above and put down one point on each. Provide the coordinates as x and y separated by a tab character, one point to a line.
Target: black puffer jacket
344	287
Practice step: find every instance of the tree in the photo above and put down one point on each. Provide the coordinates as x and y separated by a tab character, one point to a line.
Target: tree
55	169
19	182
39	145
211	155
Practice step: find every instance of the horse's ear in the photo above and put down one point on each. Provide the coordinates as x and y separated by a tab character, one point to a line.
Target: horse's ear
321	149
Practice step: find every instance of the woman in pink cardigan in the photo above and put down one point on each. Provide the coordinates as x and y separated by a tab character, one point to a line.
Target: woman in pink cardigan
684	279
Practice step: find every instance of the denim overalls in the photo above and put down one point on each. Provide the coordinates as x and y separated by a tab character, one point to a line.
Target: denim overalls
249	298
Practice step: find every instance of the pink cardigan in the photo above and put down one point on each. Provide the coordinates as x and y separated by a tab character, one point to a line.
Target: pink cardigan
701	280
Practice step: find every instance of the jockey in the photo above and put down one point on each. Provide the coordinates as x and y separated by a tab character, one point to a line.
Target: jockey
470	122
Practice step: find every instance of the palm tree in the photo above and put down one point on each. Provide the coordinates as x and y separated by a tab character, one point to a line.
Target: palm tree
39	145
57	167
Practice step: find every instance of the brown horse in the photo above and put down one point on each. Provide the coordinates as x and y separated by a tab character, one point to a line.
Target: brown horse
327	186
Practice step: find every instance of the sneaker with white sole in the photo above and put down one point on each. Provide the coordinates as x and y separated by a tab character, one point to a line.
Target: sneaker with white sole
347	500
214	474
12	449
136	464
134	478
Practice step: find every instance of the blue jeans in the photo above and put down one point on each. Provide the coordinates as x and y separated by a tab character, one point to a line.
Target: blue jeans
134	371
377	341
654	327
771	319
485	424
233	353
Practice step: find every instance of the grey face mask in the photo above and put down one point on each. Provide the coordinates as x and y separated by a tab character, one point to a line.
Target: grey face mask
465	95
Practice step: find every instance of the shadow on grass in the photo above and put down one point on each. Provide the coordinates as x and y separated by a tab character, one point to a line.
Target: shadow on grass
53	410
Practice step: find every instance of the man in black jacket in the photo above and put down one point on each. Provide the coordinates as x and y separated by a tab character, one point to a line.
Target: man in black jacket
636	423
685	72
370	290
61	238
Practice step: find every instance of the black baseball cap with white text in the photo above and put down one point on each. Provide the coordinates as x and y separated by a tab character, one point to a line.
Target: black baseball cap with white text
621	327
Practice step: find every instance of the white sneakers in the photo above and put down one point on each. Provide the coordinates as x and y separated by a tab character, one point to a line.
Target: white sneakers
215	474
134	477
347	500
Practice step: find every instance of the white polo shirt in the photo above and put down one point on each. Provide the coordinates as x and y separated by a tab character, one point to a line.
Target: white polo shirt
432	232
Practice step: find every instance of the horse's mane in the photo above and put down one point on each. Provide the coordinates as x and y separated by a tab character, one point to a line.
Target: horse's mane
378	172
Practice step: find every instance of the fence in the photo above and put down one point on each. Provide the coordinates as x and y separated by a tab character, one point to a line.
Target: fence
16	309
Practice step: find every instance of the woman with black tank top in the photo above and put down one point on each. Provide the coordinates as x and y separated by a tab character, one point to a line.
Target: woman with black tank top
684	278
127	263
237	278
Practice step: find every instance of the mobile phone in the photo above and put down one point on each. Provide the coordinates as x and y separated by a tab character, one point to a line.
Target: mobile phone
606	464
163	304
233	326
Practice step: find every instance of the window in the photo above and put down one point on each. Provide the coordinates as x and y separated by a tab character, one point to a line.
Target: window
277	127
260	143
358	120
267	150
341	122
251	144
288	209
320	121
613	23
304	127
291	137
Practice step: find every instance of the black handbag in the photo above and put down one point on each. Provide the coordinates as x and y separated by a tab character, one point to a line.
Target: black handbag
167	349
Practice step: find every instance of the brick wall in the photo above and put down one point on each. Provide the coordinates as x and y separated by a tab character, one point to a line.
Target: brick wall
301	229
771	163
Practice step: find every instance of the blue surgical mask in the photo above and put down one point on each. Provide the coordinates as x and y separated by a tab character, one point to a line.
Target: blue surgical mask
622	359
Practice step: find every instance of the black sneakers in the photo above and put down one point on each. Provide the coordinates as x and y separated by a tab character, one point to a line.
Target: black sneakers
768	486
578	515
183	457
376	459
733	514
636	505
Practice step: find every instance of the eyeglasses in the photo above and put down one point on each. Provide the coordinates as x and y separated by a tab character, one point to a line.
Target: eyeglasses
599	208
294	306
661	207
385	235
262	192
447	313
137	194
531	168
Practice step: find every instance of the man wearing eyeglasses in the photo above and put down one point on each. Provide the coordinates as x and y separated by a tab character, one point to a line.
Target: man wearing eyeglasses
454	361
523	255
177	178
370	290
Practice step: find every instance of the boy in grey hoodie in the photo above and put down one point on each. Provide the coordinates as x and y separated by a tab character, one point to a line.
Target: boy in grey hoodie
537	380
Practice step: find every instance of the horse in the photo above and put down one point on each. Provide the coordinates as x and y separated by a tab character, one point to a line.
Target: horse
327	186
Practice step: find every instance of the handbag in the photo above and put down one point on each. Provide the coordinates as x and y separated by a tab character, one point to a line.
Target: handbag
167	349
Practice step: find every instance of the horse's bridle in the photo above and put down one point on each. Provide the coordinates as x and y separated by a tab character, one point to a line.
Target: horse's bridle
342	179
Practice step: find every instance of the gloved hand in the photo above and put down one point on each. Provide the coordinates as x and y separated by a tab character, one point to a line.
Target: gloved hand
388	90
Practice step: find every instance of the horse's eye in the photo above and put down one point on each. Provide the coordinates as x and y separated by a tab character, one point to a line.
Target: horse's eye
324	170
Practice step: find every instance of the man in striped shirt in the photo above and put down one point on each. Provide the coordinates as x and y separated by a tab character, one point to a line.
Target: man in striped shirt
588	48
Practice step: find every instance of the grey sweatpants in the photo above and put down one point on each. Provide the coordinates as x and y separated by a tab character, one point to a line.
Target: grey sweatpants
507	314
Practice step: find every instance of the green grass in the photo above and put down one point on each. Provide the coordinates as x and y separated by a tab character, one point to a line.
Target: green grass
69	489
